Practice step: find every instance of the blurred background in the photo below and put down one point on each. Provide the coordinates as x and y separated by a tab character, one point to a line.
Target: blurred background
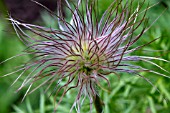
129	94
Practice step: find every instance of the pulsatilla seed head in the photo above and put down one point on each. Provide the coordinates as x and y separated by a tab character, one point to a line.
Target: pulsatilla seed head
85	50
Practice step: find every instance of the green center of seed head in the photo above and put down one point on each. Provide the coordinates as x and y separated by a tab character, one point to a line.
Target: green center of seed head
85	61
87	70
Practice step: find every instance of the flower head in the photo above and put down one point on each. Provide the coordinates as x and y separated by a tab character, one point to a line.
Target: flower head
85	50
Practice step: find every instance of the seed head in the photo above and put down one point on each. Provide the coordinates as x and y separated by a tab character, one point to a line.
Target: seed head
87	49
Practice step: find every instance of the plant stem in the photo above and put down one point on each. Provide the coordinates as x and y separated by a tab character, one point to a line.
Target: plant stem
98	104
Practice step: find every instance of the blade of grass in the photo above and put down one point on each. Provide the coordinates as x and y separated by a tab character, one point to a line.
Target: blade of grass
42	102
151	104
